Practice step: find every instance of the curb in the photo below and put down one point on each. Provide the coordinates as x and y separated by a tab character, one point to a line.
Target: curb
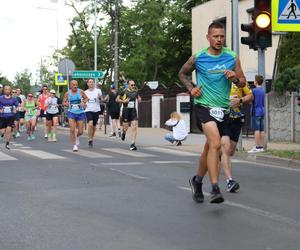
267	159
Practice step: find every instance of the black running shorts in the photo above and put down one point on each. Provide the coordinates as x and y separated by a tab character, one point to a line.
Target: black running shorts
233	128
7	122
92	116
129	115
203	116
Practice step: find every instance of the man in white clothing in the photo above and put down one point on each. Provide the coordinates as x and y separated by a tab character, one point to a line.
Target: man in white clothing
93	109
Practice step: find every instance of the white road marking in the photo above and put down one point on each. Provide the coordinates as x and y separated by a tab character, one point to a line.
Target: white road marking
129	174
88	154
41	154
256	211
171	151
5	157
171	162
26	147
17	144
128	152
122	163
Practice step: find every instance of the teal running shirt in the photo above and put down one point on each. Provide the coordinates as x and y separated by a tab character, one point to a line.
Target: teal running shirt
210	77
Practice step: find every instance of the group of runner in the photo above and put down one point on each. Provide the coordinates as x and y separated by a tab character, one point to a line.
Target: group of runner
17	110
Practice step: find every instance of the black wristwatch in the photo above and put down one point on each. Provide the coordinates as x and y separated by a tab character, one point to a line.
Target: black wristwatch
241	100
235	81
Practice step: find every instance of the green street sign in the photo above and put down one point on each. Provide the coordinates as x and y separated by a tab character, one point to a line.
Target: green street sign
87	74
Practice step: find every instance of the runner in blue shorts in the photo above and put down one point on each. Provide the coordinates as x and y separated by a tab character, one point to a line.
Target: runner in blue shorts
75	99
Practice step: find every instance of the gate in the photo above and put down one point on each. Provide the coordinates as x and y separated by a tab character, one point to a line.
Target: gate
167	106
145	114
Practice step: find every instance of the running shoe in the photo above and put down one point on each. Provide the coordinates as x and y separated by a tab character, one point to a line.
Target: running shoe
75	148
133	147
17	134
113	135
123	136
7	145
178	143
196	190
54	137
233	186
29	138
77	141
90	143
120	134
255	149
216	196
33	137
46	136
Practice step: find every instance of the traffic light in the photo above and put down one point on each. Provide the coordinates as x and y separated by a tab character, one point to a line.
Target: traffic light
250	39
262	24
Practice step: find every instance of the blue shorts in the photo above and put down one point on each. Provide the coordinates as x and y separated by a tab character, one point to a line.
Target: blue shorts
258	123
76	117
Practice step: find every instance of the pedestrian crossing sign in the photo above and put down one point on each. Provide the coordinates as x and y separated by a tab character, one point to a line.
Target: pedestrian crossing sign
285	15
59	80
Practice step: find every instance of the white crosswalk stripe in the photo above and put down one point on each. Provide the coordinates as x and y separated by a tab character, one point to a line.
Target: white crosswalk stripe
41	154
88	154
6	157
171	151
127	152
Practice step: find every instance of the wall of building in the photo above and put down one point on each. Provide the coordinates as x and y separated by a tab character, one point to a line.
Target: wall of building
203	15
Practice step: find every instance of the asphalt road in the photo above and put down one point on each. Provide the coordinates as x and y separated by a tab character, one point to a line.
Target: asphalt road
112	198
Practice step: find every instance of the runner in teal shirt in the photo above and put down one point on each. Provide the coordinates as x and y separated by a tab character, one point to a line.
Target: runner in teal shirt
216	68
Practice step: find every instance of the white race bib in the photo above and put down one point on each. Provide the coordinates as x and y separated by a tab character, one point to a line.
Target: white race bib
92	100
7	109
131	104
75	106
217	113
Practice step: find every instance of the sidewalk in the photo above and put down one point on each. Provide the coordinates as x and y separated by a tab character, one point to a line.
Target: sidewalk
195	143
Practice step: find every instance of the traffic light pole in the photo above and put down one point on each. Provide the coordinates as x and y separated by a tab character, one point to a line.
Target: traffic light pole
262	71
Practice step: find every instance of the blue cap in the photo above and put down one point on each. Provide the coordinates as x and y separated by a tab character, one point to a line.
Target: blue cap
112	86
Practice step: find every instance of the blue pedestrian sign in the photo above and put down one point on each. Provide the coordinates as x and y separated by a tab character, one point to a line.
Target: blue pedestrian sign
286	15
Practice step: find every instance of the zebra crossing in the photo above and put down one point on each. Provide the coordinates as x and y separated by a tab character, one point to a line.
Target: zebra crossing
19	152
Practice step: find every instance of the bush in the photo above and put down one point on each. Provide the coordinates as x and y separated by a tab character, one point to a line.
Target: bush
288	80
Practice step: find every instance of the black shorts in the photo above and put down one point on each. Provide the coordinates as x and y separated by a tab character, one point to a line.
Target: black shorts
129	115
114	114
17	117
92	116
203	116
22	114
233	128
7	122
42	113
49	117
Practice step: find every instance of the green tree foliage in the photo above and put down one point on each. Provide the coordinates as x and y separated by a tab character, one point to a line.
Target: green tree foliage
288	80
22	80
155	38
4	80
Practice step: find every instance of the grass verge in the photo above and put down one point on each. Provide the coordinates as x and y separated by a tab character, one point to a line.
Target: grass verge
291	154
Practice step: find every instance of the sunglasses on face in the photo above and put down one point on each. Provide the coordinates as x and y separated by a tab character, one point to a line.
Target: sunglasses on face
14	92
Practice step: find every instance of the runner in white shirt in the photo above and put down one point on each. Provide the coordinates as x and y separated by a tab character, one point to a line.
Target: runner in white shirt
92	109
51	106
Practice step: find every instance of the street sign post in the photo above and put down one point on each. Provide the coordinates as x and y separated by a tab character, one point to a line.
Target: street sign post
59	80
285	15
88	74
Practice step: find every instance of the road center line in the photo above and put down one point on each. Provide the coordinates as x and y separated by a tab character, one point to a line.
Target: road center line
256	211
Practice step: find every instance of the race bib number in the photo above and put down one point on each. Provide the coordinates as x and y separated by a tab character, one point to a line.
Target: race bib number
7	109
92	100
75	106
131	104
217	113
53	108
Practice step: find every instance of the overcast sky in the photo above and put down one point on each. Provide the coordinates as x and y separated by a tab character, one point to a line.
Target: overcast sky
28	33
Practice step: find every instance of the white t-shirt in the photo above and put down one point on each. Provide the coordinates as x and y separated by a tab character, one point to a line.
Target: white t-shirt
179	128
93	103
52	105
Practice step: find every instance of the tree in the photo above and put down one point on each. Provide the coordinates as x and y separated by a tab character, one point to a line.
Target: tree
23	81
4	80
288	80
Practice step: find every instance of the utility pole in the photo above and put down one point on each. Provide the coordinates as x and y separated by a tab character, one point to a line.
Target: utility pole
236	48
116	66
95	38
